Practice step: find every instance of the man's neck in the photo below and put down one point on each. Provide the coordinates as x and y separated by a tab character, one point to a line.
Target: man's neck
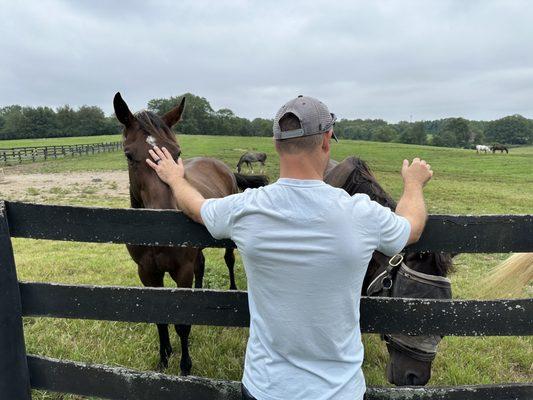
298	167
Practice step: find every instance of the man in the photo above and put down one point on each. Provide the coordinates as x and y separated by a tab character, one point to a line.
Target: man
305	247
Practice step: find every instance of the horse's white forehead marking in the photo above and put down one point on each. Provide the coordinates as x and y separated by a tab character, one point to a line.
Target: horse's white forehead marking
151	141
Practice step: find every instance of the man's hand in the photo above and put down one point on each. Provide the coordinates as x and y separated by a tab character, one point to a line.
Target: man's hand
187	197
418	173
167	169
411	205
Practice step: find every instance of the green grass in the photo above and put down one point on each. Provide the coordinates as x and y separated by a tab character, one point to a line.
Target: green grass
464	183
58	141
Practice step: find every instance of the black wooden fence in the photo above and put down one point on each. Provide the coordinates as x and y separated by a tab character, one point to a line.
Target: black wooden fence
19	372
15	155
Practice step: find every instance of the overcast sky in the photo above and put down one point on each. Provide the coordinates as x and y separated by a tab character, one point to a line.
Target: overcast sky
372	59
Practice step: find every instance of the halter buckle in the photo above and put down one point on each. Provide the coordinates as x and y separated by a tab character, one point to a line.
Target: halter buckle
396	260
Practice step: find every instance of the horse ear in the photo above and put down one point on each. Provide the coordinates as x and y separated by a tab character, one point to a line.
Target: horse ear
122	111
174	116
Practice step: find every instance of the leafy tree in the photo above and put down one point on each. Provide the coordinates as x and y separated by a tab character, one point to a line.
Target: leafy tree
445	139
384	134
15	123
513	129
459	128
414	134
262	127
67	121
91	121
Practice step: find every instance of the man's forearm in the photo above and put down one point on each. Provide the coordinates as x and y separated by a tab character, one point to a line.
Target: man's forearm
413	208
188	198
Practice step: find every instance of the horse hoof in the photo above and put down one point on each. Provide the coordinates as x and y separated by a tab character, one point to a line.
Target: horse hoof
185	367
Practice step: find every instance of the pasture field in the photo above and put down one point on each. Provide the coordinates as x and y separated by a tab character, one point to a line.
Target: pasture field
464	183
58	141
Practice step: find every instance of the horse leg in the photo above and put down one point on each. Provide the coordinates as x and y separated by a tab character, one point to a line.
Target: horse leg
183	332
199	270
155	279
183	278
229	258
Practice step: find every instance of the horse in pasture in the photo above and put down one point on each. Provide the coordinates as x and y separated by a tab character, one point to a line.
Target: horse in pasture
482	147
249	158
209	176
413	274
499	147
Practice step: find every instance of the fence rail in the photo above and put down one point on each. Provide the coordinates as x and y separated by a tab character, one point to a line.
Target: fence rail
223	308
121	384
38	153
209	307
449	233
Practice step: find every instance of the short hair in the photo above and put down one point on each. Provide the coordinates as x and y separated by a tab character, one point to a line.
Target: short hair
296	145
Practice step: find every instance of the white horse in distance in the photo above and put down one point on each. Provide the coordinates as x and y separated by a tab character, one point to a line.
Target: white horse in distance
482	147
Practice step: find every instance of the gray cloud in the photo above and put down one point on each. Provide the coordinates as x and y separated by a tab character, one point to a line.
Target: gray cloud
384	59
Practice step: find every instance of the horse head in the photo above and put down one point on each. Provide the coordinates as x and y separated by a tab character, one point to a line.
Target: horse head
410	357
143	131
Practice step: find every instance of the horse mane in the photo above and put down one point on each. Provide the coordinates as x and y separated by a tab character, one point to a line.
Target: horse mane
443	263
362	180
153	125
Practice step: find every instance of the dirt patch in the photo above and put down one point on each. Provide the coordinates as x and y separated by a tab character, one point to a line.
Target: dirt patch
39	186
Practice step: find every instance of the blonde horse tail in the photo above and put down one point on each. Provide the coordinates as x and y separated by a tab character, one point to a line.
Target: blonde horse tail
511	278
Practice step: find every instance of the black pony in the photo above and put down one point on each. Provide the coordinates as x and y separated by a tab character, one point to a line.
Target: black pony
499	147
412	274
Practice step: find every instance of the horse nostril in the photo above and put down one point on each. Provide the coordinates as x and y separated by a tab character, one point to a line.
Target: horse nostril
412	379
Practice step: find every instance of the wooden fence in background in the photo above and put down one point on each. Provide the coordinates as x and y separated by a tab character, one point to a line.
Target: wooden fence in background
19	371
15	155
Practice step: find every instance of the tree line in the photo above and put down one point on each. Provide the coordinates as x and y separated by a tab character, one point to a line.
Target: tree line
199	118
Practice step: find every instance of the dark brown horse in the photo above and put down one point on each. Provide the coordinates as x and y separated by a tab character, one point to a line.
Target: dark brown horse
499	147
212	178
410	356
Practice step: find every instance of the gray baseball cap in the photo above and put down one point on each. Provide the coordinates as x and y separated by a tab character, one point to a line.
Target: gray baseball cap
314	118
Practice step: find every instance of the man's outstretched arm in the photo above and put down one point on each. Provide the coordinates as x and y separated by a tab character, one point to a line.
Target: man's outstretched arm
173	174
411	205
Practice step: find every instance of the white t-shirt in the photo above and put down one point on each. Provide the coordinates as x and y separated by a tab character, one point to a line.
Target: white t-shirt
305	246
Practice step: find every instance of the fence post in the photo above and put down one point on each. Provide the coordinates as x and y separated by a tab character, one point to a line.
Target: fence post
14	375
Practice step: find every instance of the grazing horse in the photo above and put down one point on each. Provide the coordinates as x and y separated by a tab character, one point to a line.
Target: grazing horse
499	147
250	157
212	178
482	147
419	275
